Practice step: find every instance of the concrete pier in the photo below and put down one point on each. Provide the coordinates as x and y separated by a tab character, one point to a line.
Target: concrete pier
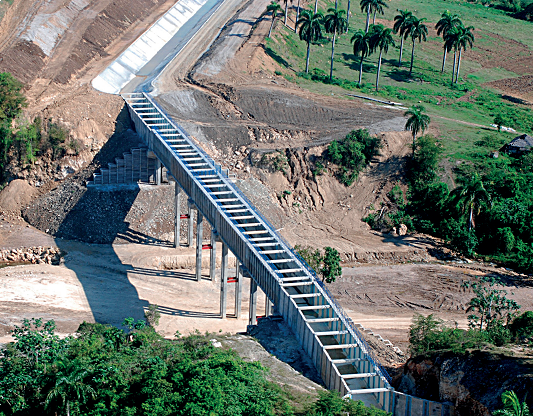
190	223
199	243
224	281
253	303
177	210
213	256
238	290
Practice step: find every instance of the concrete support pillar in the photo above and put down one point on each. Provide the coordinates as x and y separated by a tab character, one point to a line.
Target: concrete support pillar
177	222
199	243
268	307
238	290
158	172
224	281
213	256
190	223
253	302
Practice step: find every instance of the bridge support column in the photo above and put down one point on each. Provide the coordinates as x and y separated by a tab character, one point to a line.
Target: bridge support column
213	255
268	307
190	223
253	302
158	172
177	222
238	290
224	281
199	243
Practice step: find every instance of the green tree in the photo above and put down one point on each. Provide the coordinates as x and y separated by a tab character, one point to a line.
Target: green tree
11	98
417	121
361	45
446	23
286	12
275	9
499	120
470	198
334	22
372	6
28	138
417	31
331	268
512	406
70	387
490	306
310	30
380	38
401	27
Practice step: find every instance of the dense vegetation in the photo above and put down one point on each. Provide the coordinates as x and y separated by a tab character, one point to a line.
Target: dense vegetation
326	265
103	370
21	140
493	320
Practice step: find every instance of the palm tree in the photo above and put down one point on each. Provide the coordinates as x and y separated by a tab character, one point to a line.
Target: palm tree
334	22
372	6
470	198
380	38
465	39
297	16
401	26
348	15
361	46
286	11
446	23
310	30
450	42
417	121
512	406
417	30
276	11
70	387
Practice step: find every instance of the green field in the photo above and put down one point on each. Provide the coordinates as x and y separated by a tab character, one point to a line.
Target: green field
471	100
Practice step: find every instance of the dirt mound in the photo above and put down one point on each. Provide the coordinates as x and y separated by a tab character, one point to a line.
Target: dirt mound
16	196
521	88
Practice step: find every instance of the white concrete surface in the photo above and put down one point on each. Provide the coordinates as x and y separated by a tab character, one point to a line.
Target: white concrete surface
133	59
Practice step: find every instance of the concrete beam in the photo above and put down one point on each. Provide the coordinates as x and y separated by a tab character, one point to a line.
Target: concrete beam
253	302
224	281
199	241
213	255
190	223
238	290
177	210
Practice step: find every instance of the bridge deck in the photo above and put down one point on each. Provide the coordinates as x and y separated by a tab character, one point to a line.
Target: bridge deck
341	356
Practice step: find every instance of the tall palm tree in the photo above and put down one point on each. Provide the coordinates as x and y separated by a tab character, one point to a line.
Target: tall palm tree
372	6
286	11
361	45
310	30
297	16
70	387
447	22
465	39
276	11
334	22
380	38
417	30
348	15
401	26
417	121
451	42
470	197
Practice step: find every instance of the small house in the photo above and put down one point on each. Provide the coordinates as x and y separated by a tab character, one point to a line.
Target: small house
519	145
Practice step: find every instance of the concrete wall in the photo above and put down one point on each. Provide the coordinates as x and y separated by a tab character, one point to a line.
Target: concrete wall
130	62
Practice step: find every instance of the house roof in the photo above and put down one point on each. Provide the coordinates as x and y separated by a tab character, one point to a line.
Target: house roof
523	142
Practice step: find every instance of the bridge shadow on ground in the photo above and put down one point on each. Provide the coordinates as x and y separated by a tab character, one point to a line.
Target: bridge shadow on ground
89	222
277	338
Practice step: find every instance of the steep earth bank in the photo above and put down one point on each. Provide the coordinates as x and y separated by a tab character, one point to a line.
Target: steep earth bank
473	382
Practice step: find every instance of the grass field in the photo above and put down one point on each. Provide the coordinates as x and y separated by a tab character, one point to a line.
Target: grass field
502	50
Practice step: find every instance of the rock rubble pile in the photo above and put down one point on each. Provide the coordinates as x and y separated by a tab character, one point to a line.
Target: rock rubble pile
34	255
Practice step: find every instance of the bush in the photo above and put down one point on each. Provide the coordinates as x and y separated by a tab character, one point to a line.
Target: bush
353	154
330	403
522	326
